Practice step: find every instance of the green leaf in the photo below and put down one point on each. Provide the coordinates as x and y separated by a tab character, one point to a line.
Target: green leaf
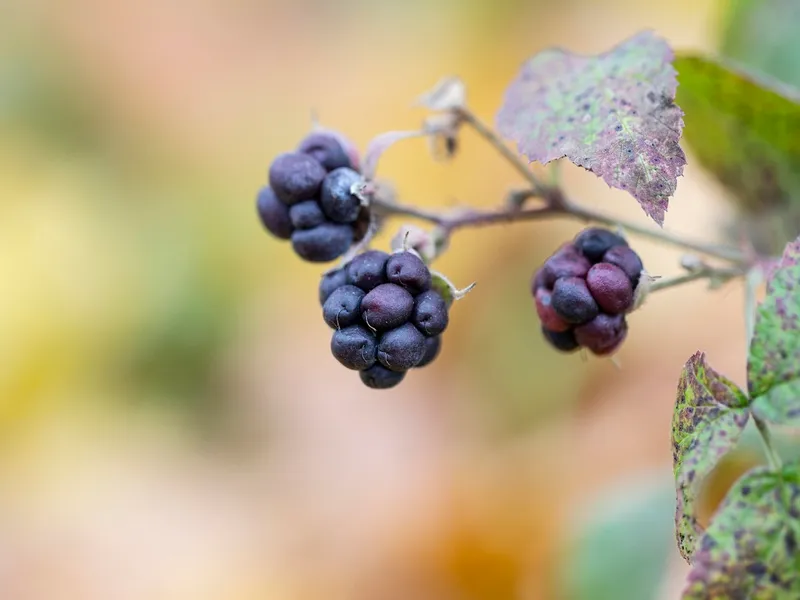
743	129
612	114
621	550
750	550
773	366
710	414
762	34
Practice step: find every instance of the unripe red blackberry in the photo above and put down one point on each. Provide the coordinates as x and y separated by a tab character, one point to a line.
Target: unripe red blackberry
584	290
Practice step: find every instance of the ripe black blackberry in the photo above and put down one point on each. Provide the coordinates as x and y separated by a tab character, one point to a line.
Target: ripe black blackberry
308	199
585	289
387	318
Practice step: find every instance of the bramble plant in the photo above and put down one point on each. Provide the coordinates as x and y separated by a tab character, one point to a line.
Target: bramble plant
617	116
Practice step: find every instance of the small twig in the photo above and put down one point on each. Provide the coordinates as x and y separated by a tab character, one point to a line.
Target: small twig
718	275
555	204
665	284
659	235
556	207
489	134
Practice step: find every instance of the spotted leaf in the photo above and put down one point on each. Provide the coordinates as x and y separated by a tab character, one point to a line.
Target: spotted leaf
710	414
773	367
613	114
750	549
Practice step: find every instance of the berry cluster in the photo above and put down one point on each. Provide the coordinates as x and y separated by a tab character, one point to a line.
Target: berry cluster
584	290
308	199
386	317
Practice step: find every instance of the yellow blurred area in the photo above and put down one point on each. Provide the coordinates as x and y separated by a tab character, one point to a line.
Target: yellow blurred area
172	425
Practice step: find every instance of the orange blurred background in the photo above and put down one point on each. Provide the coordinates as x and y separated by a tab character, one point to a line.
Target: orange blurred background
172	424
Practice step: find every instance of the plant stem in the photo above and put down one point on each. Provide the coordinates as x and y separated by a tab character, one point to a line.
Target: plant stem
665	284
463	218
555	204
774	459
491	136
659	235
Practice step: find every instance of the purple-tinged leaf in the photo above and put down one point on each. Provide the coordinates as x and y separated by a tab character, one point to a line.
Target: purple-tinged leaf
710	414
773	366
750	550
613	114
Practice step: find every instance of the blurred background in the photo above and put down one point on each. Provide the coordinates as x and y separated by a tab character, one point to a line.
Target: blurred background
172	424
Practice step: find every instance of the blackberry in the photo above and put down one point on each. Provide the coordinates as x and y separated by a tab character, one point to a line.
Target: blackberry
308	199
387	317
